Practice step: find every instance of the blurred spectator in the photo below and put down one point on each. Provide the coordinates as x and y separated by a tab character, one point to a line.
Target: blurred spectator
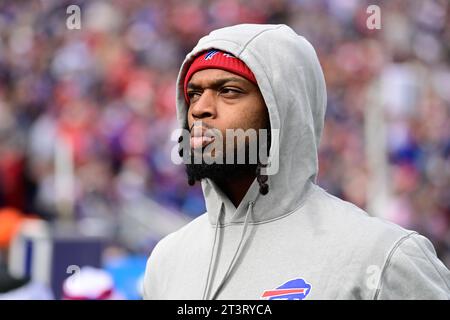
11	220
90	284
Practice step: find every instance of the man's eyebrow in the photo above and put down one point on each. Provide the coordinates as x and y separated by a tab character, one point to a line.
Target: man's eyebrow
216	83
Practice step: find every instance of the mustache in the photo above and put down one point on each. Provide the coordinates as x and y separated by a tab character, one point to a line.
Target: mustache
201	123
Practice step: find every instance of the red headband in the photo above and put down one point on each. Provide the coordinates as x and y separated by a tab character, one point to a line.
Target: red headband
216	59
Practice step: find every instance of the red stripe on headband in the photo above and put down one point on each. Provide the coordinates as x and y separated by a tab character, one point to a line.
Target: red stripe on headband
216	59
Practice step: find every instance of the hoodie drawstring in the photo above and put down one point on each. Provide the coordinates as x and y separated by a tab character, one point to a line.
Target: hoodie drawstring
212	253
236	253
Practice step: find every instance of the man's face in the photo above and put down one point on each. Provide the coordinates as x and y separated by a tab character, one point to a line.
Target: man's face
222	100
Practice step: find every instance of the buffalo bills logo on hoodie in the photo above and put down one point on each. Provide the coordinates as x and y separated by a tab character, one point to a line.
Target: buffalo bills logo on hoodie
296	289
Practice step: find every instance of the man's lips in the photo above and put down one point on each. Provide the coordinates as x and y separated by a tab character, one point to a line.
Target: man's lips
200	142
199	139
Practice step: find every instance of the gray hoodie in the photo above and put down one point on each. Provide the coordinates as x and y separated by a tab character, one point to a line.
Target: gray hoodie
298	241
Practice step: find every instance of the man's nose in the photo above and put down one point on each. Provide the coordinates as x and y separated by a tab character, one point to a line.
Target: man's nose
205	106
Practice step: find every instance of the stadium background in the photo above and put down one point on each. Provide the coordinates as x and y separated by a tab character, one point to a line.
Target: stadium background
86	118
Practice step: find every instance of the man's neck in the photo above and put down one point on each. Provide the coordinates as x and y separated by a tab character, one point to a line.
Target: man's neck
236	188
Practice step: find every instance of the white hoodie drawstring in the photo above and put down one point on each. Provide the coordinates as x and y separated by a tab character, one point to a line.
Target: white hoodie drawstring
212	254
236	253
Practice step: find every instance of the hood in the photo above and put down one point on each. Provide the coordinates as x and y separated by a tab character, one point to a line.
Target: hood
291	81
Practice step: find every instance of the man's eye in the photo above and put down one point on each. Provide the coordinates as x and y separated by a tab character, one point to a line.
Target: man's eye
192	95
230	92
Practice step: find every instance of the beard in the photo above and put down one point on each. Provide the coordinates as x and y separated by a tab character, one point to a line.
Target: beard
224	171
219	171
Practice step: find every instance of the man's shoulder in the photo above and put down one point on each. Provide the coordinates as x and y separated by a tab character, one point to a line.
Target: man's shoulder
169	252
348	219
404	261
190	231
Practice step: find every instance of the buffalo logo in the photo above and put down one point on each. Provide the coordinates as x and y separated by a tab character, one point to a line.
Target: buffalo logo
210	54
296	289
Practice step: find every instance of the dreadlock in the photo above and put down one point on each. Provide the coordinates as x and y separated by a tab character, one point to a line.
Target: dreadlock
191	180
262	179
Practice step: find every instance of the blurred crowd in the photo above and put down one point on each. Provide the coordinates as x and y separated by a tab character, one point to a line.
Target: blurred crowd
108	92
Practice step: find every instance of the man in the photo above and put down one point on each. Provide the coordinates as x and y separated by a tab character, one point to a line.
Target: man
276	235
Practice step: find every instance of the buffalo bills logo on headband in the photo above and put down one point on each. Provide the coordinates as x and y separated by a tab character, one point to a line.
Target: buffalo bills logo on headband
296	289
210	54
